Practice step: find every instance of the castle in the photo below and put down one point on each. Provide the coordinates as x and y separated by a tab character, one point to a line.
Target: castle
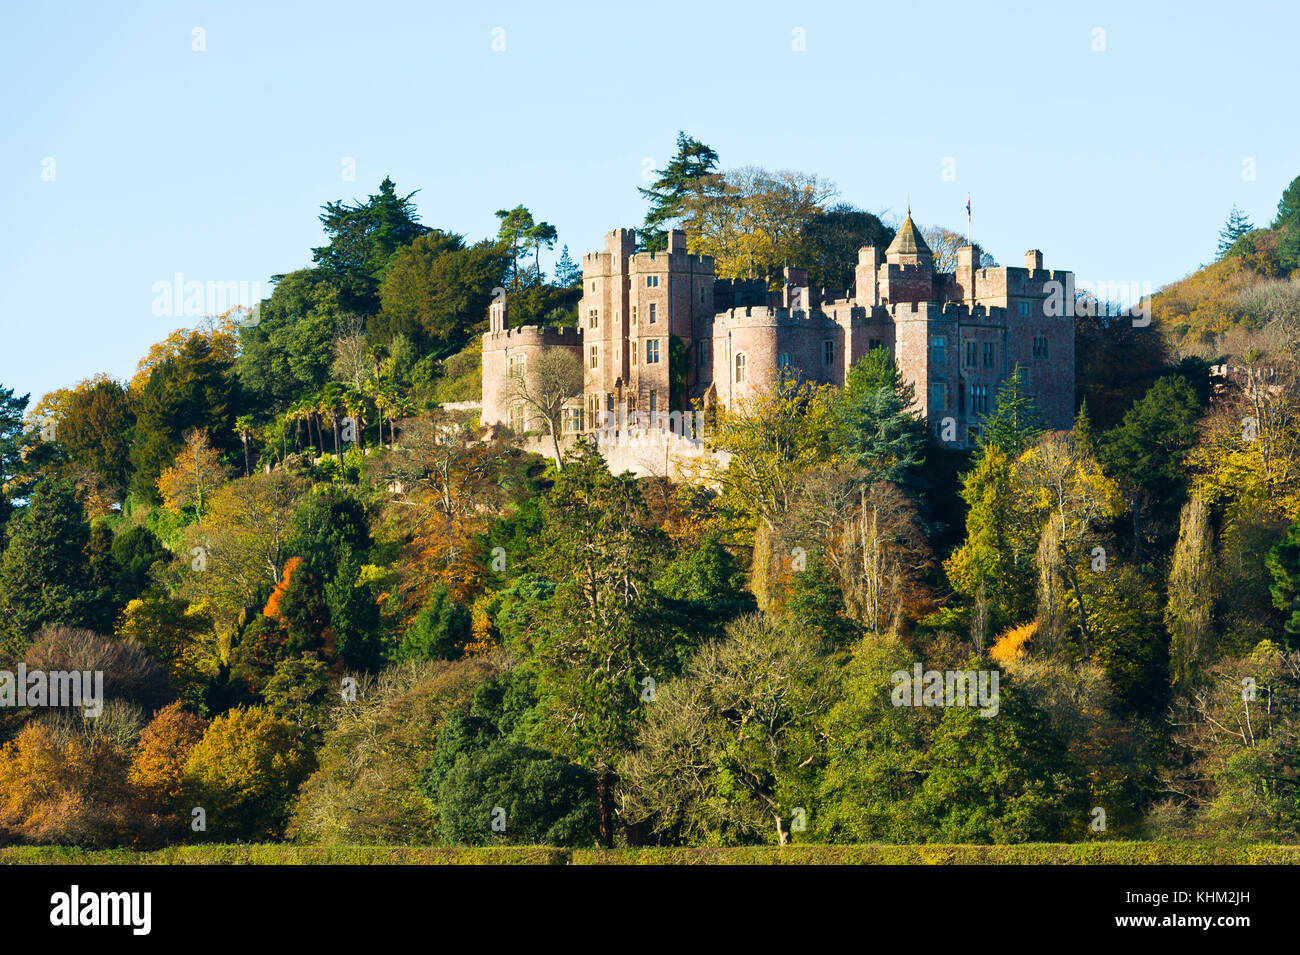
659	332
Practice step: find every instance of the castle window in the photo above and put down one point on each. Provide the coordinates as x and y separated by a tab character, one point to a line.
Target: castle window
988	354
654	405
1023	374
828	352
938	397
633	314
970	354
875	343
594	317
518	419
938	353
740	367
651	351
516	365
1022	308
979	399
1040	347
572	420
593	360
635	347
783	359
652	313
702	353
652	281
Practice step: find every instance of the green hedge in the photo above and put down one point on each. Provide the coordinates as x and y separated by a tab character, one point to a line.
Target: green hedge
1095	853
280	854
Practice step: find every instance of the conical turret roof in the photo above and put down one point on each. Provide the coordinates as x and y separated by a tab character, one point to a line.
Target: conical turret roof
909	240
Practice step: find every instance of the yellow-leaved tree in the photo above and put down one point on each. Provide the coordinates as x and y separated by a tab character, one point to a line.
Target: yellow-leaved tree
194	476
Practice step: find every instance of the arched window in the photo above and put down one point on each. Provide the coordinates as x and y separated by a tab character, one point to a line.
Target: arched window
740	367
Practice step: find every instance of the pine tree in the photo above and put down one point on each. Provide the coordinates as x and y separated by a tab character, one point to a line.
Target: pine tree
363	237
567	274
11	448
45	574
693	162
1283	563
1287	225
1238	224
1014	423
876	424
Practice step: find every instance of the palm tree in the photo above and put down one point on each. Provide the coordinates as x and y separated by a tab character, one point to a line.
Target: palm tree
355	403
329	403
244	427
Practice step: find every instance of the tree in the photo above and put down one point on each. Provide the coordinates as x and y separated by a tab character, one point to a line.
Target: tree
830	242
436	291
943	774
774	439
542	385
684	173
1070	499
534	798
600	633
300	692
130	674
1287	226
1149	448
751	220
876	424
516	228
993	566
1238	224
1189	614
449	482
96	431
158	763
288	352
723	748
367	784
242	548
541	236
1283	564
1014	424
363	238
45	577
193	477
64	791
1235	746
191	390
244	772
439	631
567	274
11	445
868	535
352	364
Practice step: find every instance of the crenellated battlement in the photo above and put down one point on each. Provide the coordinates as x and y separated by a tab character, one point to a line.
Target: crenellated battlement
750	315
740	333
542	335
670	261
974	314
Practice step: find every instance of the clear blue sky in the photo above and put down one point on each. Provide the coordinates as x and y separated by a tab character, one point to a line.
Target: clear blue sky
1121	164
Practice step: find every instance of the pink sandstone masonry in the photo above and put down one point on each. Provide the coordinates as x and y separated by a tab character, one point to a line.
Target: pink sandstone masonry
659	332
